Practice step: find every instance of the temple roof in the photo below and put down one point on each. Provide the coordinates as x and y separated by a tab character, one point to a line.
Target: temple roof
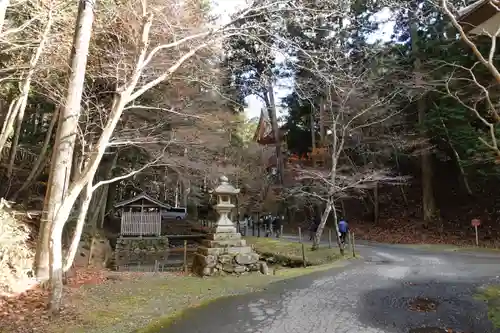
264	132
481	17
144	196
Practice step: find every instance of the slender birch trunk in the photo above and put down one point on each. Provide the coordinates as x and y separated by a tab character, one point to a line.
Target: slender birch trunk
80	223
38	165
16	114
62	157
124	95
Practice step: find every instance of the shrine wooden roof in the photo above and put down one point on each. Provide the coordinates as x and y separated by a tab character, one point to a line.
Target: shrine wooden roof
481	17
142	196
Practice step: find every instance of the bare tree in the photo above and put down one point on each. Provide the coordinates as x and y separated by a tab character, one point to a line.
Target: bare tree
65	138
353	109
15	114
484	105
135	84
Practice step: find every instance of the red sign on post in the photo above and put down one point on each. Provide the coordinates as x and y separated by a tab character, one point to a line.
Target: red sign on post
476	222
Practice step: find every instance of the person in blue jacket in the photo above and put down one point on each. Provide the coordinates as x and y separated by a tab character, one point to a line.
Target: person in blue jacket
343	230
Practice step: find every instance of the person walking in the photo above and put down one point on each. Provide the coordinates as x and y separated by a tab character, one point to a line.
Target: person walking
269	225
278	221
314	227
343	230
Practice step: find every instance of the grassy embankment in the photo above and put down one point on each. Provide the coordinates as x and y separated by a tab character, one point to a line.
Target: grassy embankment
491	295
147	303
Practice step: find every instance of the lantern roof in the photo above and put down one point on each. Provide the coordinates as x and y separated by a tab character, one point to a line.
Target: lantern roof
225	188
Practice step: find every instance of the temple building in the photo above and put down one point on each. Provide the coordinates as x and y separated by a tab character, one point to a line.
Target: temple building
264	136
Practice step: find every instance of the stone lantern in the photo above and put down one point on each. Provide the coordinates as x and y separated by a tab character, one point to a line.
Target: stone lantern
224	192
223	251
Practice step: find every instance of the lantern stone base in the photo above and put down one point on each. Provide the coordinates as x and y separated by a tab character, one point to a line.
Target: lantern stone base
224	229
226	253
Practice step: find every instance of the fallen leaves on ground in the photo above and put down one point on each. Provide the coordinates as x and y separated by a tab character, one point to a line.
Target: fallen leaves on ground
411	231
27	312
87	276
423	304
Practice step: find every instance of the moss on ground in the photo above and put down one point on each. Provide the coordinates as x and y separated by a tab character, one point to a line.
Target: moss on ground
493	250
431	247
453	248
289	253
149	302
491	295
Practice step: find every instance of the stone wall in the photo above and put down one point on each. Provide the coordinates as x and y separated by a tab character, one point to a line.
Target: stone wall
227	263
140	250
228	260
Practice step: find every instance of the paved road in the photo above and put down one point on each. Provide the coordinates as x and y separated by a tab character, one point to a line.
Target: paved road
367	296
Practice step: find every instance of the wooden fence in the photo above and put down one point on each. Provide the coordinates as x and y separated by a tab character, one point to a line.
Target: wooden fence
139	224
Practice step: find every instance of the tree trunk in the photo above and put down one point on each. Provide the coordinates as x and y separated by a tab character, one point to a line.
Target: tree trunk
56	255
428	203
186	189
336	224
111	196
101	199
102	213
313	132
322	131
321	226
98	201
38	165
324	218
271	108
8	123
80	223
313	137
403	194
86	200
17	134
16	114
94	220
62	157
34	119
463	175
375	203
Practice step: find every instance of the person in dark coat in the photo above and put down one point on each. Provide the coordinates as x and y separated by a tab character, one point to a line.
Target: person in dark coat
314	227
269	225
277	226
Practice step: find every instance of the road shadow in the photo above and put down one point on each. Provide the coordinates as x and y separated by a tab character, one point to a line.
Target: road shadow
392	310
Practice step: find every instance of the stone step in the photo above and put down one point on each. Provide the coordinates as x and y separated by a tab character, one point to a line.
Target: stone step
224	243
224	236
216	251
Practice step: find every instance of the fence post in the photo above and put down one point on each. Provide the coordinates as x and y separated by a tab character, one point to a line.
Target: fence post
185	256
329	238
352	245
303	255
281	231
300	235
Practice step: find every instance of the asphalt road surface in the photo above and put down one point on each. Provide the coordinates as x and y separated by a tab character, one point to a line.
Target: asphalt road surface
373	295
